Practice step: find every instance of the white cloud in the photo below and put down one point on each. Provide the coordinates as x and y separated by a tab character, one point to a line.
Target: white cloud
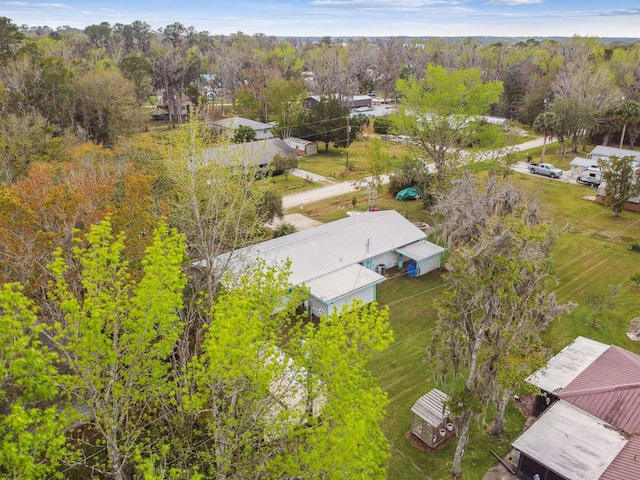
513	2
38	5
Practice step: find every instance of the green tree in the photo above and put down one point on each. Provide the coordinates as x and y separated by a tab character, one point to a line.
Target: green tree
284	164
107	106
622	181
33	413
284	99
547	125
325	122
116	335
310	397
625	113
436	111
244	134
10	38
99	35
136	69
217	208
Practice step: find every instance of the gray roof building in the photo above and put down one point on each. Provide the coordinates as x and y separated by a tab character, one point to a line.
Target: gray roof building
263	130
258	154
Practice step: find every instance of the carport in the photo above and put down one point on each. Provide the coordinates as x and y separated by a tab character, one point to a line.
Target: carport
582	163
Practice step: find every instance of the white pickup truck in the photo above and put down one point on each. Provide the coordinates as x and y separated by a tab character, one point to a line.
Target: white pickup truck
545	169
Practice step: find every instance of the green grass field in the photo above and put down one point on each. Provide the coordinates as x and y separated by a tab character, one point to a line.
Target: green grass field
591	253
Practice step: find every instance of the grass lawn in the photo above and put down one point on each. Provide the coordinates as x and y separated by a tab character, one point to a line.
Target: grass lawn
591	254
333	163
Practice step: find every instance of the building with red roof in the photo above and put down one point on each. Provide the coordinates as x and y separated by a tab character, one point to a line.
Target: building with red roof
590	425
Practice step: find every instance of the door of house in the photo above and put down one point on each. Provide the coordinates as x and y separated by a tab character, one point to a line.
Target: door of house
368	263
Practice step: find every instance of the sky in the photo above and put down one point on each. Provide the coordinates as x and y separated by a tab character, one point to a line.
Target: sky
344	18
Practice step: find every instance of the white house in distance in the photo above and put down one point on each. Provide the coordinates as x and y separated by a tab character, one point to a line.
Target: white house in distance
345	260
229	125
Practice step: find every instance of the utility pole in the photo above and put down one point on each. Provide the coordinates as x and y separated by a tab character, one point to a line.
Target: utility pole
348	136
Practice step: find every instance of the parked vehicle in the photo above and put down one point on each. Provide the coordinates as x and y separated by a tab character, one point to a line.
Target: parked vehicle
545	169
590	176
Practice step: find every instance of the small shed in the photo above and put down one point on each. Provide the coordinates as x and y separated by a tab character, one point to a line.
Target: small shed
302	147
430	418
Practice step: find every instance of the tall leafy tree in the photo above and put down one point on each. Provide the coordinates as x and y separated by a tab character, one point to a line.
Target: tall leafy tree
284	99
547	125
625	113
622	181
10	38
107	106
325	122
116	335
436	111
33	413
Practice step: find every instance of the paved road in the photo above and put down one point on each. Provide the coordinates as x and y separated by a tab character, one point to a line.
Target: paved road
343	188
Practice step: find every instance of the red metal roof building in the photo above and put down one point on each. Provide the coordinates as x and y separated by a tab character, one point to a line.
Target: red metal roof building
607	389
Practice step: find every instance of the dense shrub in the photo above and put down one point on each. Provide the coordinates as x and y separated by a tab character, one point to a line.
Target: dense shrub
382	125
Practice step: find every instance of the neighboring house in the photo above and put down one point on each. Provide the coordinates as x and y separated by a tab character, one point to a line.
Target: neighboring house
603	153
357	101
250	155
229	126
345	260
180	106
590	426
632	204
304	148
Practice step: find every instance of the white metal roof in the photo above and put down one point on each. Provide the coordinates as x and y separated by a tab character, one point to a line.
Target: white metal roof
234	122
326	248
602	151
571	442
567	364
430	407
342	282
420	250
584	162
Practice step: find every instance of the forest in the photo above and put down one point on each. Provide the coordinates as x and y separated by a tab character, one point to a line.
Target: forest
121	360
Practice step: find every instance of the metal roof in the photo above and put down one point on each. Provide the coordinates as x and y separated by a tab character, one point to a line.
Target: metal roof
342	282
420	250
603	151
257	153
571	442
583	162
567	364
609	388
626	464
326	248
234	122
431	407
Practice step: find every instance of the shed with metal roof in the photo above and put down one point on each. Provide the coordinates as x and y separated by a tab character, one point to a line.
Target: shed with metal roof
430	418
568	443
